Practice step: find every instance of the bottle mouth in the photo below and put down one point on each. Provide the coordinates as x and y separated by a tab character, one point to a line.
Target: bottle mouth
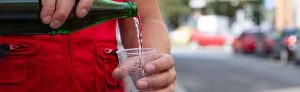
133	10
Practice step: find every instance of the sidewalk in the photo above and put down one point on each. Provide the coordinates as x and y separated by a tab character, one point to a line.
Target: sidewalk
197	49
292	89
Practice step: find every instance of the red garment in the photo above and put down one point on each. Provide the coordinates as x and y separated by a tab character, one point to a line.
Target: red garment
79	62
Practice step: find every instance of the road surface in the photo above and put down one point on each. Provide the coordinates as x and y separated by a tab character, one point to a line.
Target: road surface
220	71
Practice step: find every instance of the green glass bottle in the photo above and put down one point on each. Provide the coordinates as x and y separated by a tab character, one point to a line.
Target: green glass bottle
23	16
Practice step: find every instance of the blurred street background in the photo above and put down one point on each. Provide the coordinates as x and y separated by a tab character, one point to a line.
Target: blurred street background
235	45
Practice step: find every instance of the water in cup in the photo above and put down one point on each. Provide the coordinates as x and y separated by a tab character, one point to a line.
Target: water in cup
132	66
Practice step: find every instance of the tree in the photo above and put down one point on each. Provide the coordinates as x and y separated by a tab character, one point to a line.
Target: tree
173	9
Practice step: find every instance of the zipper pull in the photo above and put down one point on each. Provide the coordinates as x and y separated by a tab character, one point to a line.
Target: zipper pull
14	47
108	50
4	49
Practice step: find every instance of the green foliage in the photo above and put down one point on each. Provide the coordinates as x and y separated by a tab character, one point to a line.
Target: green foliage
173	7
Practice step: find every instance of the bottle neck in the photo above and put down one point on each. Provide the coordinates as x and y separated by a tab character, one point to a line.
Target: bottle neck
129	8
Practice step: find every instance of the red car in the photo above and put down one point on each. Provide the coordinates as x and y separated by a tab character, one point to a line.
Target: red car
252	42
245	43
205	39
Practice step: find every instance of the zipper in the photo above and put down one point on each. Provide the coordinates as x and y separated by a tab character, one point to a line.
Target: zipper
70	64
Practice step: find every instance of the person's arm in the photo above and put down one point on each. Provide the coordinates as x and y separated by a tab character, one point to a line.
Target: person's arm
154	30
154	36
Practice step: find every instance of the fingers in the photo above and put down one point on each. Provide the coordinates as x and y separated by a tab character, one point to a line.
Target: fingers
83	7
170	88
47	10
160	70
125	67
161	62
156	81
55	12
63	9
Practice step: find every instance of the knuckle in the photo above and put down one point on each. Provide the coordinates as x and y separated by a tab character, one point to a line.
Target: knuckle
172	74
48	5
61	15
168	58
50	8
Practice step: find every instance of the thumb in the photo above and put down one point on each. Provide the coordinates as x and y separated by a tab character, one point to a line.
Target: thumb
117	73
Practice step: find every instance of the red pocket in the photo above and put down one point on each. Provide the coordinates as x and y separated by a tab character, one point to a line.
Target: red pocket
14	65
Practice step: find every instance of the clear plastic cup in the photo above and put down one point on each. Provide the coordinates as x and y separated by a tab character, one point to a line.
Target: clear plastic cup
131	66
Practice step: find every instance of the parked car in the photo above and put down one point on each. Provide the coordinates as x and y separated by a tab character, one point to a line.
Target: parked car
204	39
285	45
297	54
265	43
248	41
211	30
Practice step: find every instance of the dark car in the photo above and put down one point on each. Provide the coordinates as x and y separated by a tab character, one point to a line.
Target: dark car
295	49
297	54
284	47
265	44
